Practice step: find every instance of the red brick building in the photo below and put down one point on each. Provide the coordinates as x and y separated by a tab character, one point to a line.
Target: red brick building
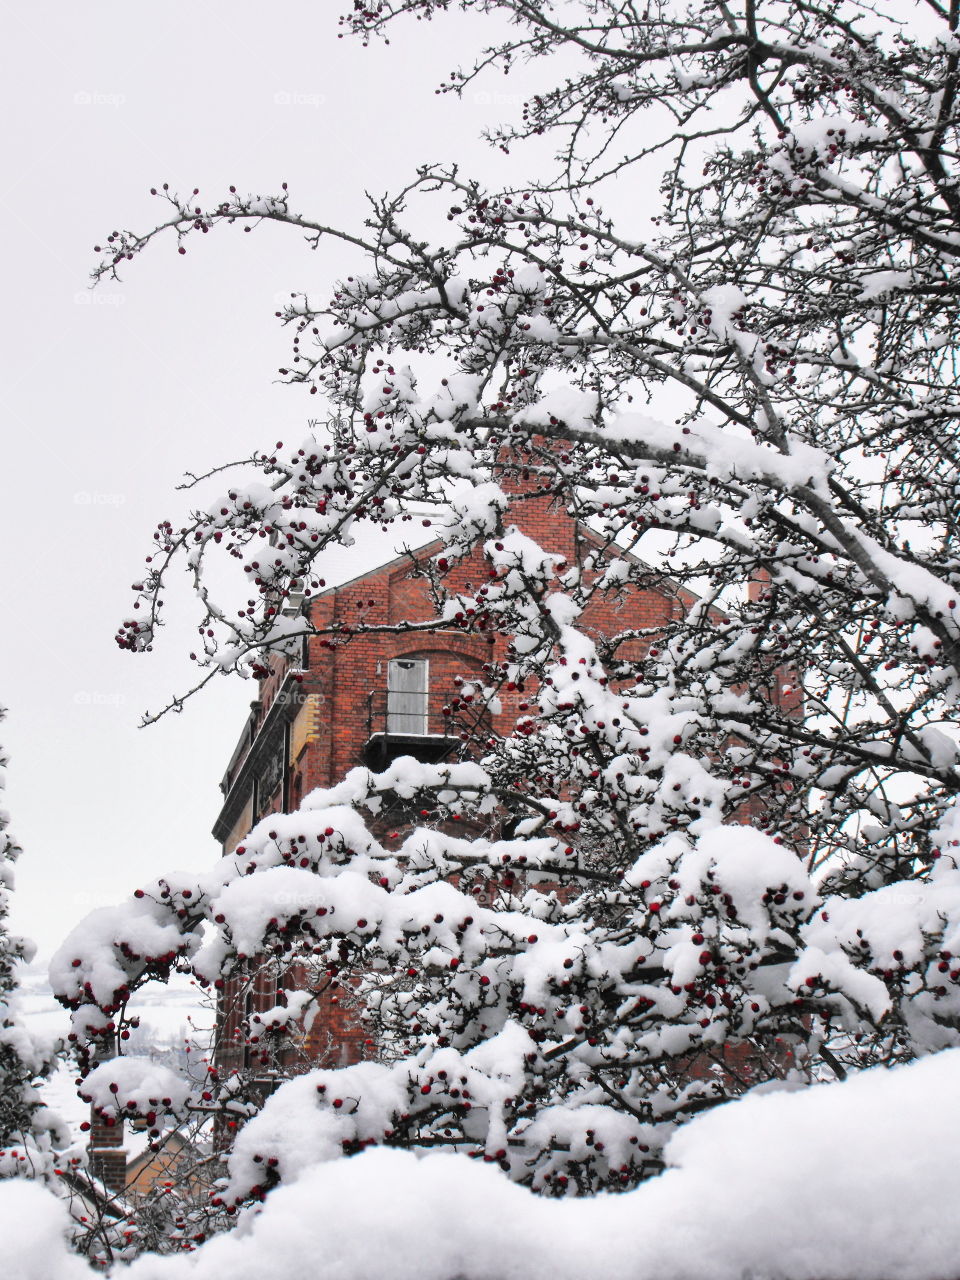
376	697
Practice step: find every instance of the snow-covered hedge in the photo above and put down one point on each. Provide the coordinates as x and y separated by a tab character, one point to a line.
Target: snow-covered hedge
849	1181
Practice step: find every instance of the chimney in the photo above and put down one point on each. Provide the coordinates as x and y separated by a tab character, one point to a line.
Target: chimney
108	1157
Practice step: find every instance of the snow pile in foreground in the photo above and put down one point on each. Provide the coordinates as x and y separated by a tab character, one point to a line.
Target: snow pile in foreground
835	1182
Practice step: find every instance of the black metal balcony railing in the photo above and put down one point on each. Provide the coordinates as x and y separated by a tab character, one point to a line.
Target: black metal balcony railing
398	724
400	713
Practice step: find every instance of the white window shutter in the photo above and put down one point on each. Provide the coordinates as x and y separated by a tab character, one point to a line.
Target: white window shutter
407	693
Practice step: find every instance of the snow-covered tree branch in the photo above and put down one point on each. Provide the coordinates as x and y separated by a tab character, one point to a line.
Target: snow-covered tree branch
718	856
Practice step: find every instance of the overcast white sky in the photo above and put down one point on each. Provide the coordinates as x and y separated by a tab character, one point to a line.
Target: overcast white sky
108	397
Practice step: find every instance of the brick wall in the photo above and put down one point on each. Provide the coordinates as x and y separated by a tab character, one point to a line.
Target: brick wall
341	676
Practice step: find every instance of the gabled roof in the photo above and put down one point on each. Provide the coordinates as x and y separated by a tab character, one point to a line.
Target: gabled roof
374	549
